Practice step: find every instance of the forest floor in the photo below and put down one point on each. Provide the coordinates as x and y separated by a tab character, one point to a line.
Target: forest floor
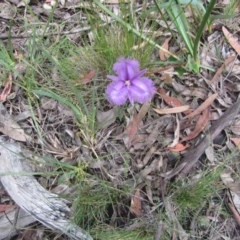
164	169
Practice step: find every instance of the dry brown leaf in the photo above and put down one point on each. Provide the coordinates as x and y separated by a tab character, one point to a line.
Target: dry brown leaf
149	191
7	88
203	106
210	153
178	148
176	134
235	211
136	204
11	128
163	56
221	69
166	74
6	207
232	40
139	46
132	128
233	194
236	142
105	119
172	110
154	166
235	127
87	78
201	124
171	101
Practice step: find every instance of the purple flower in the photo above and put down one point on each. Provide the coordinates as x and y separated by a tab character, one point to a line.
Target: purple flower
129	83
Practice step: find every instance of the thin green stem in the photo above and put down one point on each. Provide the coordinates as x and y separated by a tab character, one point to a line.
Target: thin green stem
162	16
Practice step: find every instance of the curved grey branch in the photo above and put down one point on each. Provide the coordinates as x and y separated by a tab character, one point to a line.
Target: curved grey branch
29	195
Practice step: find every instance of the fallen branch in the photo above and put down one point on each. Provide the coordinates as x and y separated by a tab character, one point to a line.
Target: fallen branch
29	195
192	156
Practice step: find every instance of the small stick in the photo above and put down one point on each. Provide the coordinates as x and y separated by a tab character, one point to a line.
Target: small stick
192	156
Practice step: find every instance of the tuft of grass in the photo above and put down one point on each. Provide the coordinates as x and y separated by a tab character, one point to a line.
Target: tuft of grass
112	40
96	201
230	9
7	62
60	79
191	196
176	13
124	22
107	232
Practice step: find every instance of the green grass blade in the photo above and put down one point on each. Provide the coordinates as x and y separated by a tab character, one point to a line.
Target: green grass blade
176	13
62	100
201	29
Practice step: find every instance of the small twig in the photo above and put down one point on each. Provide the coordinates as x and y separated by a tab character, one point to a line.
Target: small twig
192	156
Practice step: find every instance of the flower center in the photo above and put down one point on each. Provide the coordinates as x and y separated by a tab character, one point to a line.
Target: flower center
127	83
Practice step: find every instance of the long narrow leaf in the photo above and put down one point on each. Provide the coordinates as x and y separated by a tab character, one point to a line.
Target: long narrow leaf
176	13
201	29
47	93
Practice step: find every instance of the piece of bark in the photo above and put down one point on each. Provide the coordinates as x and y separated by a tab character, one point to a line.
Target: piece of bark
192	156
28	194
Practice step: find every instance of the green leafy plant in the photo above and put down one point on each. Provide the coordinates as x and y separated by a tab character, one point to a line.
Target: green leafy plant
95	201
106	232
131	29
175	11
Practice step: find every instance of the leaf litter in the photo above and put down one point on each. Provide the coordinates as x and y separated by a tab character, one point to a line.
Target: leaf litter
153	144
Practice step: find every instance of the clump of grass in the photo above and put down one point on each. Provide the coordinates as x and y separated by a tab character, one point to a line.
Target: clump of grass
175	11
106	232
7	62
95	203
230	9
114	40
191	196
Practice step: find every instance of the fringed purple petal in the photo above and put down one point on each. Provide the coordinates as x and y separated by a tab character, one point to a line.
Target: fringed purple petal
133	63
132	68
120	69
141	90
117	93
129	83
126	68
138	74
